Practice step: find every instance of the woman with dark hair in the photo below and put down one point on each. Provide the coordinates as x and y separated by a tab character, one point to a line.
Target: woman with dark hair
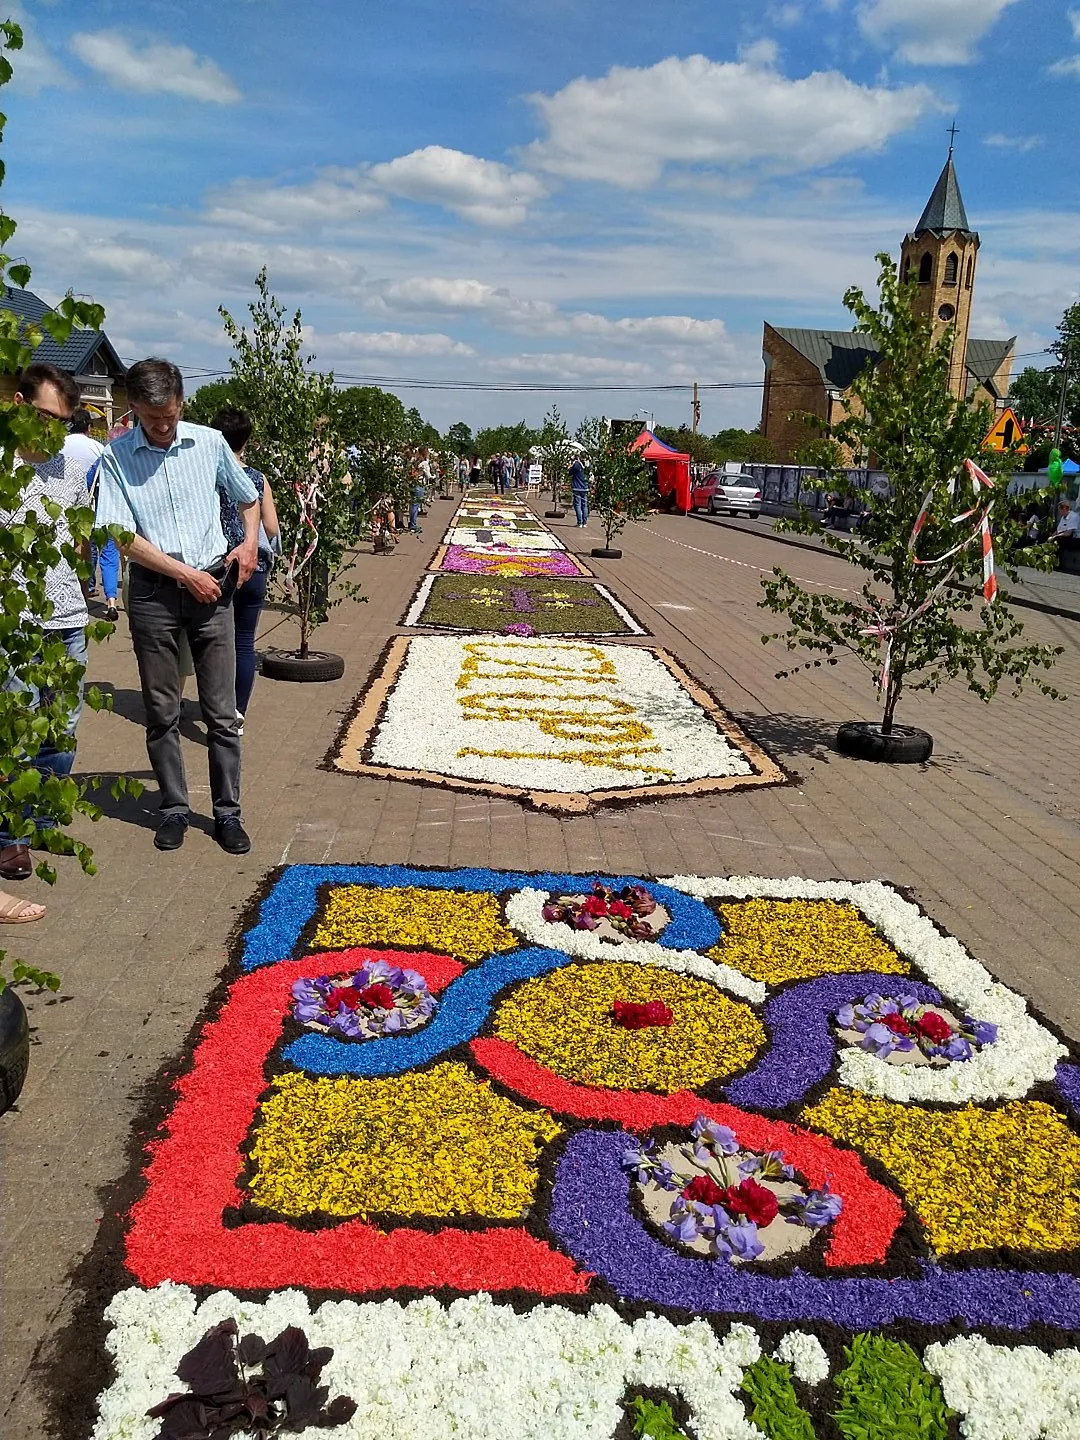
249	599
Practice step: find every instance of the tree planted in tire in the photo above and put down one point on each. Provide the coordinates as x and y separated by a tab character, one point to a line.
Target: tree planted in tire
920	602
620	478
295	441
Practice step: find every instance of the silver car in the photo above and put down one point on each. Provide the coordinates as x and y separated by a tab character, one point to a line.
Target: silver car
735	494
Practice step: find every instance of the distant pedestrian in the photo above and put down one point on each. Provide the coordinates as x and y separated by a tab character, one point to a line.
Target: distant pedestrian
463	474
249	598
86	451
476	473
495	473
579	489
506	468
162	480
417	496
59	480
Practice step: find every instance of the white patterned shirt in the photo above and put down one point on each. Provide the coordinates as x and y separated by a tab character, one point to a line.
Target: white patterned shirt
170	496
62	480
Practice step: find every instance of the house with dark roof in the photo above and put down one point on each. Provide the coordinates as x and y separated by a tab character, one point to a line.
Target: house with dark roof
811	371
88	354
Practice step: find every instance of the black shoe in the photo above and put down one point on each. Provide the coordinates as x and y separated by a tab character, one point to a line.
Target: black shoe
231	836
171	832
111	613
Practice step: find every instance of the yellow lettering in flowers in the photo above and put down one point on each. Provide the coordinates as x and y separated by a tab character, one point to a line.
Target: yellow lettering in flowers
607	730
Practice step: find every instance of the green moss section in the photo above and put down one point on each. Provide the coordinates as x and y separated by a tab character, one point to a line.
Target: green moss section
550	604
774	1406
886	1394
654	1422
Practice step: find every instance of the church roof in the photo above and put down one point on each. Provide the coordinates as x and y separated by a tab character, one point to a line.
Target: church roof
840	354
944	211
983	359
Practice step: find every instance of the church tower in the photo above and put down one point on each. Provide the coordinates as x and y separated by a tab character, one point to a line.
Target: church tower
940	254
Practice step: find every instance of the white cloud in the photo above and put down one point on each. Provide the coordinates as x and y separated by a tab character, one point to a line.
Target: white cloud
335	195
484	191
235	263
154	67
1068	67
930	32
1022	143
626	127
345	343
457	296
762	52
1074	21
569	366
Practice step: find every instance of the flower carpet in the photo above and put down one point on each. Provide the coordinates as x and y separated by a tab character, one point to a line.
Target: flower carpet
531	605
560	724
530	1156
527	700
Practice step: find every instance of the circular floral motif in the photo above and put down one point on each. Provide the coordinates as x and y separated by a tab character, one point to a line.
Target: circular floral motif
903	1029
566	1022
718	1200
380	999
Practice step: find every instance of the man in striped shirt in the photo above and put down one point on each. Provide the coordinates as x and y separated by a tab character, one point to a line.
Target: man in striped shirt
162	480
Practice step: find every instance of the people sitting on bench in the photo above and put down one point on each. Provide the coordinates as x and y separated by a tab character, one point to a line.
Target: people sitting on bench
835	509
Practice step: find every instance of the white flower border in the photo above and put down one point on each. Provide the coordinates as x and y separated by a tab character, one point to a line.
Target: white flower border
421	1371
524	913
416	609
1006	1393
1024	1054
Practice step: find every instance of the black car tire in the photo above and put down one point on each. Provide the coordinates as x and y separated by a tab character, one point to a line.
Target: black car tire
316	665
601	553
903	745
14	1047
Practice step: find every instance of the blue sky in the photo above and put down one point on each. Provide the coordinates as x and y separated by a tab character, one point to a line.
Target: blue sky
556	193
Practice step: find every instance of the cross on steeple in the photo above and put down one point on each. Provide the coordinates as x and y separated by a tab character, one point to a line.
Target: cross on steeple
952	131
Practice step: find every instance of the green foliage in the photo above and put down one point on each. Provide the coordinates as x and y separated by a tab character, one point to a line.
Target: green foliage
887	1394
556	454
381	435
620	478
38	807
654	1421
459	438
774	1406
746	446
201	407
699	447
505	440
920	436
293	413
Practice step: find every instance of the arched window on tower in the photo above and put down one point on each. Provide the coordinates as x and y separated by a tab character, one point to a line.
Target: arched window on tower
926	269
970	272
952	268
905	272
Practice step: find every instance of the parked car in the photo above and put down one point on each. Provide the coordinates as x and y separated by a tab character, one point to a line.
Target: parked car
737	494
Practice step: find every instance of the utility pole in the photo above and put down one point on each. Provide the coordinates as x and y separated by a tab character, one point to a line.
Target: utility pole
1061	398
696	408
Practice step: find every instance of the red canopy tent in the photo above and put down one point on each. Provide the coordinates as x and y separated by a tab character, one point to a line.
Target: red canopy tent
672	467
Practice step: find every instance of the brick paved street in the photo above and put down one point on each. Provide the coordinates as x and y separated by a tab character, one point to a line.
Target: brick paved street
987	836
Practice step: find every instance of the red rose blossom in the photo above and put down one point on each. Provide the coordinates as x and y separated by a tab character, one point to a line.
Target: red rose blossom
595	905
632	1015
754	1201
896	1023
377	997
934	1027
620	909
705	1189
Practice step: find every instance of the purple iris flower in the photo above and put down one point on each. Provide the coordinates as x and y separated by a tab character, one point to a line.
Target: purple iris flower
716	1137
552	911
641	1161
743	1240
682	1227
984	1031
816	1210
584	921
957	1048
880	1039
845	1017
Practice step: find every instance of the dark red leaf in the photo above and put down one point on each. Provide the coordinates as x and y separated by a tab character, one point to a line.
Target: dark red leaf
339	1411
186	1421
288	1354
210	1366
317	1358
252	1349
